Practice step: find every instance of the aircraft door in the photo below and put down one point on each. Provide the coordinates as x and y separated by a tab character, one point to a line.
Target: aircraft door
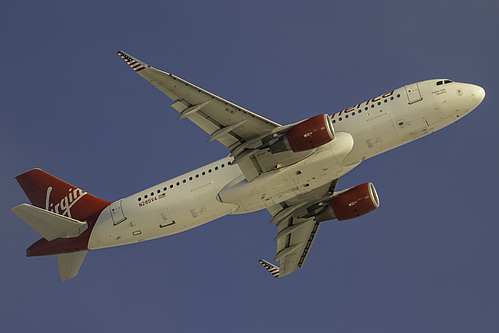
117	212
413	93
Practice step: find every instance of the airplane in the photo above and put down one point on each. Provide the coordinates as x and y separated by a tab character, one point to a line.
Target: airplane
290	170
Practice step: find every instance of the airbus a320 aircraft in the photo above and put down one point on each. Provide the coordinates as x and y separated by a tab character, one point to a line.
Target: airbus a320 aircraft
290	170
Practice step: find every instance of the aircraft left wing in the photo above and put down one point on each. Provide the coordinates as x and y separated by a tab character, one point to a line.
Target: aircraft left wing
297	227
295	237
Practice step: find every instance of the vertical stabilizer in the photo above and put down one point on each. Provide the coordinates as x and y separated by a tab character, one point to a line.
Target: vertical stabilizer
63	214
52	194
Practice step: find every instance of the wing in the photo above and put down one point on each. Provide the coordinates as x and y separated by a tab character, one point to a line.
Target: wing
294	239
240	130
297	226
224	121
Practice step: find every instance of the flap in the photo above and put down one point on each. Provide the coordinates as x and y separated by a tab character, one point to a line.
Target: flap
294	240
297	226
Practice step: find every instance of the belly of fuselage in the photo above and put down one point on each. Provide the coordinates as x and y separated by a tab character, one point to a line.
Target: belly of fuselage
280	185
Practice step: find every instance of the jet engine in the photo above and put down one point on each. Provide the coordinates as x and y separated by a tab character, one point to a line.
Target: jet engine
352	203
308	134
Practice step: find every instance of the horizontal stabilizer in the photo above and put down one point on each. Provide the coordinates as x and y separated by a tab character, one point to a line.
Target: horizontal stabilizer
70	263
48	224
273	269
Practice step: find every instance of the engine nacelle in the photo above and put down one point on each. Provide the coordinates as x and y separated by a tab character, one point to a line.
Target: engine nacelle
308	134
352	203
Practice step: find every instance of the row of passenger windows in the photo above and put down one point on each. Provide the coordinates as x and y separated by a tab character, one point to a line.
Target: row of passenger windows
365	109
184	181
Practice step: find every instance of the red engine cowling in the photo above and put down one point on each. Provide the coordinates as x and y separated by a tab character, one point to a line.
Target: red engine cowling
352	203
308	134
311	133
355	202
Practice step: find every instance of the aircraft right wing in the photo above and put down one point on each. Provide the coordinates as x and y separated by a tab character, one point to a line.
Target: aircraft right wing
244	133
222	120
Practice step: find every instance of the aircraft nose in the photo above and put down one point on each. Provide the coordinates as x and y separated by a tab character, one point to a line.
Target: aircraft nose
478	94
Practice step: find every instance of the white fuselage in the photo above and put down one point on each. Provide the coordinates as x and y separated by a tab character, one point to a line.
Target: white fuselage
217	189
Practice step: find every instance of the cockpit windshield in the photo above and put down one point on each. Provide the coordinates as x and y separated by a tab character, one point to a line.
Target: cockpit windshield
439	83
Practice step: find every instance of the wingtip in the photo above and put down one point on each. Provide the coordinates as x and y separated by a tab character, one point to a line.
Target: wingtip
273	269
134	63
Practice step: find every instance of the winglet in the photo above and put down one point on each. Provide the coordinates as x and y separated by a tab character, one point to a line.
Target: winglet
136	64
273	269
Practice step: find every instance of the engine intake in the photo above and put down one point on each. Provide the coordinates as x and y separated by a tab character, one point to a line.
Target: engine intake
352	203
308	134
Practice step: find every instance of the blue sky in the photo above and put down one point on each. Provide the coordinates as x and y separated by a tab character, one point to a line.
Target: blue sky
425	261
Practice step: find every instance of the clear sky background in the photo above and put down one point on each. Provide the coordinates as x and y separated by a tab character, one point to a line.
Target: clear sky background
425	261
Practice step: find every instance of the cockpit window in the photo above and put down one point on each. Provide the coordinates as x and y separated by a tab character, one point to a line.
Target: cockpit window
439	83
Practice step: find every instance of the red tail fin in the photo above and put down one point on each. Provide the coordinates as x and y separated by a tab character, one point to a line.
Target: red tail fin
51	193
